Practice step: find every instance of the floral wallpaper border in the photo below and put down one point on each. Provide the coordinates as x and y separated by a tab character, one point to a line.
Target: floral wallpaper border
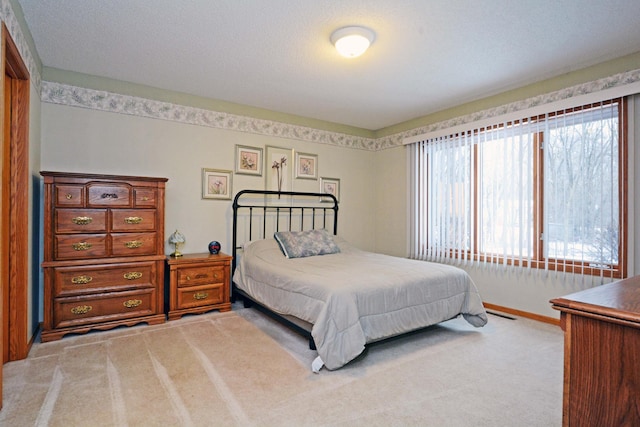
616	80
58	93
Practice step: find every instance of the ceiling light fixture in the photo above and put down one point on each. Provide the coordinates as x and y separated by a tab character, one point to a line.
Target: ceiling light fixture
352	41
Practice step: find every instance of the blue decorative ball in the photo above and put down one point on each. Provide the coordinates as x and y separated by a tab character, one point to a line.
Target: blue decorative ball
214	247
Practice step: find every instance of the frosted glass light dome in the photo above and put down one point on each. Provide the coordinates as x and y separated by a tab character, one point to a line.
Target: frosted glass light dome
352	42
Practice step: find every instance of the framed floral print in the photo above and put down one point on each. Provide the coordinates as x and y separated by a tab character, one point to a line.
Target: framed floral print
331	186
216	184
278	168
248	160
306	166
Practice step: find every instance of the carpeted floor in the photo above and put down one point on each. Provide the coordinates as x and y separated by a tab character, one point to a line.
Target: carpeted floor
241	368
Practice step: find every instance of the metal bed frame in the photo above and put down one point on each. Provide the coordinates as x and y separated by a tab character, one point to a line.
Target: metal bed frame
321	210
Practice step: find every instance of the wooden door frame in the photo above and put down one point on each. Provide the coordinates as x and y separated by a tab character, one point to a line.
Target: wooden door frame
14	200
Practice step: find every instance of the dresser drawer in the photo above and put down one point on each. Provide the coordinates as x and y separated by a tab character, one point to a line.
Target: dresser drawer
130	244
198	296
133	220
191	276
109	195
79	246
104	307
102	278
80	220
69	195
145	197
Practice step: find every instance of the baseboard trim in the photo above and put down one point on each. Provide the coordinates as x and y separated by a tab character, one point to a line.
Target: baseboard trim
525	314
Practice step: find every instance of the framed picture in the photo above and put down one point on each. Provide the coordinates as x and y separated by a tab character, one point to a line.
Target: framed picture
331	186
278	168
248	160
216	184
306	166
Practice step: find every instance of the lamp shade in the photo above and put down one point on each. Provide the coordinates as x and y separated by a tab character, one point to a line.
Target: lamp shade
352	42
176	237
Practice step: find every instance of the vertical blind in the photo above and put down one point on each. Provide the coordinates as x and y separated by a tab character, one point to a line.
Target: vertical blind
545	192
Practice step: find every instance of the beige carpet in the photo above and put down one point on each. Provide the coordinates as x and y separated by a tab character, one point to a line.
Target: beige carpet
241	368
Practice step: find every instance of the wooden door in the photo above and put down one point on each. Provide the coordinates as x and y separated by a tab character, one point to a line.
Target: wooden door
14	204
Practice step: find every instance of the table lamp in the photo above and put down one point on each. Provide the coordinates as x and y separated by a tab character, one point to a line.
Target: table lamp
176	239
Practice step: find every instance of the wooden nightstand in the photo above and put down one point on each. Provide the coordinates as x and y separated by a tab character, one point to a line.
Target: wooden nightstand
198	283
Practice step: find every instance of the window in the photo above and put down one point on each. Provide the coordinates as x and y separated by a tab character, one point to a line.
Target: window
547	191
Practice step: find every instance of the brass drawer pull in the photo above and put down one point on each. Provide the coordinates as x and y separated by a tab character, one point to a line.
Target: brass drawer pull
81	309
109	196
81	280
82	220
82	246
132	275
68	196
133	244
197	276
200	295
132	303
133	219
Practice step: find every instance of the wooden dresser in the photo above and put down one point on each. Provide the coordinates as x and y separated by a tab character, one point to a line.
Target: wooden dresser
199	283
103	252
602	355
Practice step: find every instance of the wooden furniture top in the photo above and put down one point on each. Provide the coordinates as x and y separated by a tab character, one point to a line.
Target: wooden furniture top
196	258
99	177
617	302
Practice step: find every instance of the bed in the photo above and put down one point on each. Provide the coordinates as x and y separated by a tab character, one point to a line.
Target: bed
289	259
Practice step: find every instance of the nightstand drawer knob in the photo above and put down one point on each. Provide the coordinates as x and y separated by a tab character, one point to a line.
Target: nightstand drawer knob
133	244
133	220
82	246
81	309
132	303
132	275
81	280
200	295
81	220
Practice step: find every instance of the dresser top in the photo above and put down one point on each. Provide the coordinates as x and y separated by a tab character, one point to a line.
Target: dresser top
95	176
619	300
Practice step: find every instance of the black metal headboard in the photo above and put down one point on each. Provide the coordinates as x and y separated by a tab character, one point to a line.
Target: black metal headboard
284	210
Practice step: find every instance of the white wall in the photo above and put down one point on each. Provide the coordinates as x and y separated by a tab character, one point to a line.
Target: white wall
91	141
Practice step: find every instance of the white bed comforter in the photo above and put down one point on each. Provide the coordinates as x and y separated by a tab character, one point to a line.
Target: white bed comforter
356	297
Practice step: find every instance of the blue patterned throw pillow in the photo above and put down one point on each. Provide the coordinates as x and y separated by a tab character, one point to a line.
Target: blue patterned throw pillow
299	244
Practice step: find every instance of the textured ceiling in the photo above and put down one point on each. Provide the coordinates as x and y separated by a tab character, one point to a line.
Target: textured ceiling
276	54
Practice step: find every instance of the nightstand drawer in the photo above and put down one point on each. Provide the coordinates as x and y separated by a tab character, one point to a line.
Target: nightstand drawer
80	221
105	307
103	278
197	296
191	276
